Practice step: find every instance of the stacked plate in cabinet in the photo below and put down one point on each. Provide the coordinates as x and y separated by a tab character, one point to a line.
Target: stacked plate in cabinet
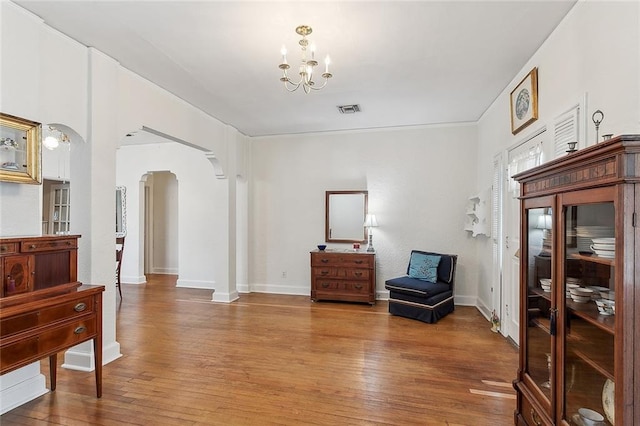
604	247
586	234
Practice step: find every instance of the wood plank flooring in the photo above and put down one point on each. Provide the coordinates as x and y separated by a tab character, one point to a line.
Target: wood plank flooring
282	360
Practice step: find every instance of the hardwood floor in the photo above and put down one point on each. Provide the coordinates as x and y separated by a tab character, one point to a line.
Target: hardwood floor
282	360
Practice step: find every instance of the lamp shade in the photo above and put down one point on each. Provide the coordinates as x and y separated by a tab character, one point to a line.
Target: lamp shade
370	221
544	221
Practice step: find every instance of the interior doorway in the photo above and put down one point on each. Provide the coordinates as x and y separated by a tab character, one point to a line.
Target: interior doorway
160	223
525	154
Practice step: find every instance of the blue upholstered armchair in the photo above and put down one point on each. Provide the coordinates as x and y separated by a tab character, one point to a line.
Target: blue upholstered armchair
426	292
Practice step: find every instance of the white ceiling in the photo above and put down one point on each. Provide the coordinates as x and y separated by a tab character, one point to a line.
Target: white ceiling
404	63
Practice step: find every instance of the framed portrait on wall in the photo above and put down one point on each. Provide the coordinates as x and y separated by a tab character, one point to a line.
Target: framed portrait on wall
524	102
20	150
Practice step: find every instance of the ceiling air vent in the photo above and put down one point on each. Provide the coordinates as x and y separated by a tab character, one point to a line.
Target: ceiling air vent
349	109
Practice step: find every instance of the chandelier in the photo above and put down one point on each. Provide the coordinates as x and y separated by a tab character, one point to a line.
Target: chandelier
307	65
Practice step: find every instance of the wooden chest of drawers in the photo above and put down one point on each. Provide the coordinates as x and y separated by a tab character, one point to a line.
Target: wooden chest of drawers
41	323
343	276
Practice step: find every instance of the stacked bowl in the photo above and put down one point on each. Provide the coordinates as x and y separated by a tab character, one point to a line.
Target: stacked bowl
604	247
545	283
581	294
606	306
586	234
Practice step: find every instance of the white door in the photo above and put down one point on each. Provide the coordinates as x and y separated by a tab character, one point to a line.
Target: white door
526	154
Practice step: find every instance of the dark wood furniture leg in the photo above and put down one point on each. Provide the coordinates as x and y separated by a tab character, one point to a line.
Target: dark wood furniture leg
53	370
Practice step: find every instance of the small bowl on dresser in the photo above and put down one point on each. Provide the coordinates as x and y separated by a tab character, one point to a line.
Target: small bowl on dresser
321	247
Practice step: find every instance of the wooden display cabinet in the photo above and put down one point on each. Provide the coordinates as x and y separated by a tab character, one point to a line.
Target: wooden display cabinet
572	355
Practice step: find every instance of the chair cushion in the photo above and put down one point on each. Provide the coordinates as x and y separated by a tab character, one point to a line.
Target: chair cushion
446	267
424	266
416	287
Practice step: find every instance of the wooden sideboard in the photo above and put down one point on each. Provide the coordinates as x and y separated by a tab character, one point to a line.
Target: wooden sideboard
343	276
44	309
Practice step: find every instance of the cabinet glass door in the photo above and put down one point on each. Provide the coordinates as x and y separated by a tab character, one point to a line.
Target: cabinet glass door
539	303
589	306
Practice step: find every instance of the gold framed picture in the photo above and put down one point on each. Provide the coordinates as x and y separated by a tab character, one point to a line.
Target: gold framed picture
524	102
20	150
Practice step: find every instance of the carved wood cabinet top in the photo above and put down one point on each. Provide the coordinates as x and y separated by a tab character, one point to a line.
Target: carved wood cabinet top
614	161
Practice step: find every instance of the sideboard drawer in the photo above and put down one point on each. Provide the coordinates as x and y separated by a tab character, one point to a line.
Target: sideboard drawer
15	353
67	335
46	245
46	315
8	248
25	351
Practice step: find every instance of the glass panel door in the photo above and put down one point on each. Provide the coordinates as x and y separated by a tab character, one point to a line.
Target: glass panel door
540	298
589	306
60	209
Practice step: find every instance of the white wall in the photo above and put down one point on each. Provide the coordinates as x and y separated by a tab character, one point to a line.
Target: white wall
418	181
595	50
200	244
165	223
97	102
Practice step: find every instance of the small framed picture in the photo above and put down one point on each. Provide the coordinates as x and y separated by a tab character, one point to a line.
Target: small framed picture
19	150
524	102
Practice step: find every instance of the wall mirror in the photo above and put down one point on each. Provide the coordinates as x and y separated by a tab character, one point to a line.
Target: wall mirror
121	211
345	212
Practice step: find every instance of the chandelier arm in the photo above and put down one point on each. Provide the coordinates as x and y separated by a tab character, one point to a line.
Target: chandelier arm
293	85
326	80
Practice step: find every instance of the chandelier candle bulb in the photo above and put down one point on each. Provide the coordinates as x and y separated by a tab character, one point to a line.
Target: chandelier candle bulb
327	61
284	54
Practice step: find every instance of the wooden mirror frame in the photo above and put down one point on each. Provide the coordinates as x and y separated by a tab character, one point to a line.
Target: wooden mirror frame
355	221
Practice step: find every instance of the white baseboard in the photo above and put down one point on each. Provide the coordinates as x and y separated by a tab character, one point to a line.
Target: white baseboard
165	271
281	289
130	279
484	310
80	357
196	284
464	300
224	297
21	386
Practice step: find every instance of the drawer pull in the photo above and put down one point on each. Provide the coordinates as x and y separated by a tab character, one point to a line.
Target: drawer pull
324	285
80	330
358	262
358	286
68	243
535	417
324	260
3	248
80	307
324	272
357	274
33	246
